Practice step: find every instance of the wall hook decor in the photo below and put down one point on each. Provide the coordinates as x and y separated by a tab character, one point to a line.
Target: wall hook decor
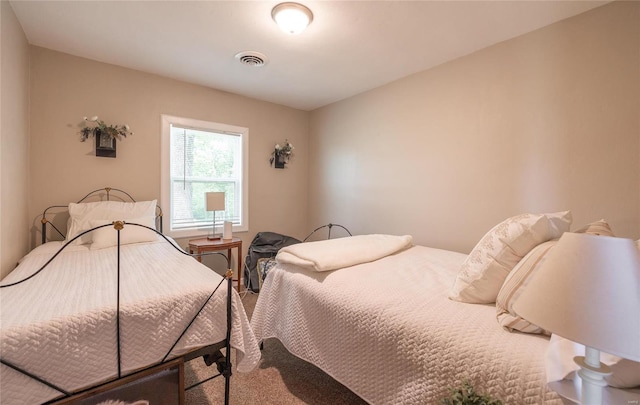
105	135
281	155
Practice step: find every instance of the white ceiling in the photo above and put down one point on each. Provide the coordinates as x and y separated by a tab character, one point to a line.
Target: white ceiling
351	46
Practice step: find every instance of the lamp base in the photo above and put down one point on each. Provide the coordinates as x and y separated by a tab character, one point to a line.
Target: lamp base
593	381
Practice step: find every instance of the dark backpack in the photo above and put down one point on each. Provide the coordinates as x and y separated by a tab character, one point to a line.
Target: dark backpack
264	245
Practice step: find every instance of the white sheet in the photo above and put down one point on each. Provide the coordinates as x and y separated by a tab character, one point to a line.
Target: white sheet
387	331
60	325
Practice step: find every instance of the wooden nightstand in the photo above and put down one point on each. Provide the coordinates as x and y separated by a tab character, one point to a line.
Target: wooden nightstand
202	245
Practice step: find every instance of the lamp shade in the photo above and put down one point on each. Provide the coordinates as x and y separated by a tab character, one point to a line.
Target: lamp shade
215	201
588	291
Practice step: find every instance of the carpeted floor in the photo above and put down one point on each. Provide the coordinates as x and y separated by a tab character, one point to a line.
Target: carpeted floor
280	378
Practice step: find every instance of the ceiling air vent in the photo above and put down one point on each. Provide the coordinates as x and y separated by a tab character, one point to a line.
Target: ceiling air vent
252	58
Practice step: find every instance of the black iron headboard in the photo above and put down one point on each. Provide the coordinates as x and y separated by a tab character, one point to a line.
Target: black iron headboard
96	193
326	226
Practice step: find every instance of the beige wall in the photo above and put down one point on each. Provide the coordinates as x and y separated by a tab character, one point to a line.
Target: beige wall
65	88
14	140
543	122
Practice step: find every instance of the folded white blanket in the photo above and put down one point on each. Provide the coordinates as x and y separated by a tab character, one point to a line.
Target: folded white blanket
335	254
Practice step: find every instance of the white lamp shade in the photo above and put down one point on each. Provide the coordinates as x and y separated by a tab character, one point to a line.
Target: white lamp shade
215	201
292	18
588	291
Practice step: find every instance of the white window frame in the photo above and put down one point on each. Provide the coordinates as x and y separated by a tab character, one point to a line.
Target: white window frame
165	178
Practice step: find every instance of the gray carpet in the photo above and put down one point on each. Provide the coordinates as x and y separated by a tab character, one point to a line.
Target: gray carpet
280	378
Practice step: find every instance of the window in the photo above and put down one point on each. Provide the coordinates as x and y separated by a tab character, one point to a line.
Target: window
198	157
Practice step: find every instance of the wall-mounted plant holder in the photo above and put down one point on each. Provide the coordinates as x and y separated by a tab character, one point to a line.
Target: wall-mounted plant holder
105	135
105	145
281	155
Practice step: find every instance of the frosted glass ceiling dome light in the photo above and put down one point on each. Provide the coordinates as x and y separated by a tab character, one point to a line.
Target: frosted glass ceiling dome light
292	18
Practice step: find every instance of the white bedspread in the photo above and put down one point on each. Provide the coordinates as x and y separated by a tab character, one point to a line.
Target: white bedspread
387	331
61	326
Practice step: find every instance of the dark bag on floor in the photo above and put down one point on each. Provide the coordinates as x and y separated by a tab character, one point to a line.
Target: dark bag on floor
264	245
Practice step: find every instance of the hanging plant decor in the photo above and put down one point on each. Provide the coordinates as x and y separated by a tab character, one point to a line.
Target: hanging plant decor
105	135
281	155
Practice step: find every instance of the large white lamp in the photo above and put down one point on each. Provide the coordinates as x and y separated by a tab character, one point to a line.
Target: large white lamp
588	291
215	202
292	18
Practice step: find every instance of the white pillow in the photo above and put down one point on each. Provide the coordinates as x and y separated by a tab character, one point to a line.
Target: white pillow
514	284
485	269
600	227
108	236
82	213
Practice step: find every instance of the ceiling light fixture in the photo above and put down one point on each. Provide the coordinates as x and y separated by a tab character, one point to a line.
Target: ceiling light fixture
292	18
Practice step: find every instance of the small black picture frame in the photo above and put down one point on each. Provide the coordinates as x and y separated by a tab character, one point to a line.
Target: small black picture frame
105	145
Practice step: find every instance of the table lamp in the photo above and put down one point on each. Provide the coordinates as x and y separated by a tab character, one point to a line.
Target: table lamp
215	202
588	290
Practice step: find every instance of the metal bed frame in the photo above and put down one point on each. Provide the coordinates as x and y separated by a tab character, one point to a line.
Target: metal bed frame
44	221
330	225
211	354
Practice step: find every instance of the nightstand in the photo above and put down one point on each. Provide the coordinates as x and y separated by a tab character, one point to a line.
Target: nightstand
202	245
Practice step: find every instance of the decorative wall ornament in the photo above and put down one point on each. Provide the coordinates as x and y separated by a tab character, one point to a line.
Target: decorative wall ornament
105	135
281	155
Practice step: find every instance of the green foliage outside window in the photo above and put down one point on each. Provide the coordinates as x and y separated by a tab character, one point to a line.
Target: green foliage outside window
203	161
